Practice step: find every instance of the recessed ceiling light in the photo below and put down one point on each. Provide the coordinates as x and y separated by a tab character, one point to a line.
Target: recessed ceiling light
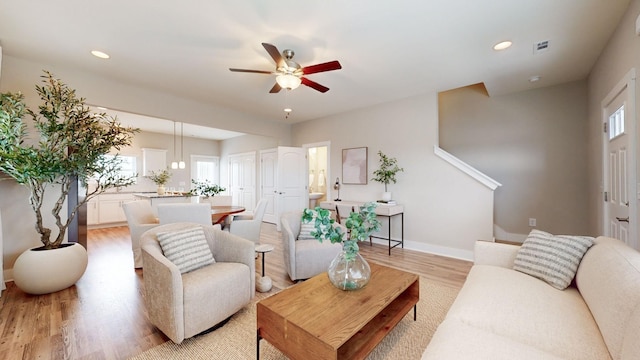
288	110
534	78
100	54
502	45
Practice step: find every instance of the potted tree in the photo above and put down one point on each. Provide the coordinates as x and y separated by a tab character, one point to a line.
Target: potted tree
71	147
386	173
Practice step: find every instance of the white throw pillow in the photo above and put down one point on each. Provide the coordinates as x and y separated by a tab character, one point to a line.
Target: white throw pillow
187	249
307	228
552	258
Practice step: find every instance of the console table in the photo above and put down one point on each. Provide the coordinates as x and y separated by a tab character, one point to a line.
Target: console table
385	210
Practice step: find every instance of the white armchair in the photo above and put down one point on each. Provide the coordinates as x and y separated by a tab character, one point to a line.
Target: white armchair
304	258
199	213
248	227
140	218
184	305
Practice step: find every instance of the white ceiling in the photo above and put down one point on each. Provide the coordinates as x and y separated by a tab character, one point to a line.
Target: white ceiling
388	49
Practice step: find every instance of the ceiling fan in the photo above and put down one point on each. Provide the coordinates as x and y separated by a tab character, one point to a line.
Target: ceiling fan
289	74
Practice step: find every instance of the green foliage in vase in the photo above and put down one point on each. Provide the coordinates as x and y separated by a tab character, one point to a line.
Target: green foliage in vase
70	146
387	171
205	188
359	226
160	177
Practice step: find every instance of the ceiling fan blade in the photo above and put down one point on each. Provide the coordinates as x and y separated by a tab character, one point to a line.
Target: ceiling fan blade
275	89
328	66
251	71
275	54
314	85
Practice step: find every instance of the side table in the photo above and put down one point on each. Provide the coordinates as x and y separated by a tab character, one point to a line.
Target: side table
263	283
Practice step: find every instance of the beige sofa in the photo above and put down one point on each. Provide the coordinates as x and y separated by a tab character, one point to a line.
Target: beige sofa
504	314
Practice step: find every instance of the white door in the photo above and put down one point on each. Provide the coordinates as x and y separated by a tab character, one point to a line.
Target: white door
268	183
242	180
619	169
292	181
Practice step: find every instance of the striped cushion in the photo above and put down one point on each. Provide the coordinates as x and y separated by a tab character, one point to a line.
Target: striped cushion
307	228
187	249
552	258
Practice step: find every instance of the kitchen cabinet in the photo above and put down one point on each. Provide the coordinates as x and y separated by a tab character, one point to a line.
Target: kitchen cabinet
107	209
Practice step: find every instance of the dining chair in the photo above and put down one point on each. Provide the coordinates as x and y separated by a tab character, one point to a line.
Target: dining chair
140	218
249	227
199	213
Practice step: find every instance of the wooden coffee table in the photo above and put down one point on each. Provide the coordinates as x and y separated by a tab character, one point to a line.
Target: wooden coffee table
315	320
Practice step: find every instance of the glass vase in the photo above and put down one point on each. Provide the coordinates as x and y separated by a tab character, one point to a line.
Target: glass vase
349	274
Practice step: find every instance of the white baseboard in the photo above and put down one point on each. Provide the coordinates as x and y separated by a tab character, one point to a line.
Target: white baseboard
431	249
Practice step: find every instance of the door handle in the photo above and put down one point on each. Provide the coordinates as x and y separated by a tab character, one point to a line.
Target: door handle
623	219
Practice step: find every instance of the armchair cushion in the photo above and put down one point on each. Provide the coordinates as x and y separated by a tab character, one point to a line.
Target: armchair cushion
553	259
187	249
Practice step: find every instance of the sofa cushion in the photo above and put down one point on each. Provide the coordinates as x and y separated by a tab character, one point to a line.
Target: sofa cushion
552	258
524	309
609	281
457	340
187	249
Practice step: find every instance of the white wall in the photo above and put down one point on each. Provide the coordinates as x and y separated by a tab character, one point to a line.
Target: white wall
534	143
620	55
446	211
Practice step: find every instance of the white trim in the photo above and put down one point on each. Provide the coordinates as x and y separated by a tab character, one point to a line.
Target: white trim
429	249
466	168
502	234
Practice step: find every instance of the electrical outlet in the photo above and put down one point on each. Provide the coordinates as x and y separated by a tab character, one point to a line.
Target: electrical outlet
532	222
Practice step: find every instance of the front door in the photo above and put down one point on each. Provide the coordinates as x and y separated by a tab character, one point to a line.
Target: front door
619	170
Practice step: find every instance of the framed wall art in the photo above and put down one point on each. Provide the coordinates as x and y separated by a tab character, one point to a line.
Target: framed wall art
354	166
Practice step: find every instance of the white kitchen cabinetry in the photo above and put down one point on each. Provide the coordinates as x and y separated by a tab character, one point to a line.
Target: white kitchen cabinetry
153	160
107	209
92	212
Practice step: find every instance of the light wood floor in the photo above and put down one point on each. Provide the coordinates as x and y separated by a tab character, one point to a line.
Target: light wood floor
103	315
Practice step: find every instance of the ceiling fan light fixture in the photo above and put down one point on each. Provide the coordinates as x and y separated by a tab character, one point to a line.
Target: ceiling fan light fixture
288	81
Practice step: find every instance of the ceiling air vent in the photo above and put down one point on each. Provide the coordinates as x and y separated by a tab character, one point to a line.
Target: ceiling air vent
540	47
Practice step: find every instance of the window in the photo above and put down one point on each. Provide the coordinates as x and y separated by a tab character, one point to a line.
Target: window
205	168
127	165
616	123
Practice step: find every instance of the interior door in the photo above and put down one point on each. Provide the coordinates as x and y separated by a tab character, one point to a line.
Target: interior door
619	169
242	180
292	193
268	183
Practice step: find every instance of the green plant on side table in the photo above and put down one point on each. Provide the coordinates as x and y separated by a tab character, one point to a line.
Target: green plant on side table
349	270
71	147
386	174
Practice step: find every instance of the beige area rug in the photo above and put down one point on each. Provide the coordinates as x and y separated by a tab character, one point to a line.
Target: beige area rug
237	339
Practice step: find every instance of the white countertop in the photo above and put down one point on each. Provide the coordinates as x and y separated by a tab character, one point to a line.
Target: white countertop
154	195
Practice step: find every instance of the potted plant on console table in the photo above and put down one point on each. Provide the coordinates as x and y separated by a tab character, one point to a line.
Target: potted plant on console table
386	173
71	148
348	270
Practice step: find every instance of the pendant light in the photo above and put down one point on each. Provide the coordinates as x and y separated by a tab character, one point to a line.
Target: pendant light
174	164
181	164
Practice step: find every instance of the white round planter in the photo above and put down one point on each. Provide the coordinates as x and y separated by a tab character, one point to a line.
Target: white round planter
386	196
46	271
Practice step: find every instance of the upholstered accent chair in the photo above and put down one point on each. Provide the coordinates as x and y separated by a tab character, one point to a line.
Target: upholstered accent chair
248	226
184	305
140	218
304	258
185	212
